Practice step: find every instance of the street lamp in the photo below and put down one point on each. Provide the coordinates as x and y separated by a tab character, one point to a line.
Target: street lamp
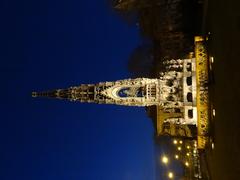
175	141
195	144
165	160
186	163
170	175
179	148
214	112
213	146
176	156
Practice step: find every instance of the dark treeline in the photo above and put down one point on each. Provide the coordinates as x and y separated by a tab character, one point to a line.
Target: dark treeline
141	61
170	25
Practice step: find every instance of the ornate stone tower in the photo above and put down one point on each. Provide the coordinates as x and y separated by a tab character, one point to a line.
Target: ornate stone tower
130	92
174	92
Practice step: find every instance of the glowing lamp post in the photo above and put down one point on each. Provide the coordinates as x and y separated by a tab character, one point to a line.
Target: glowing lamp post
176	156
165	160
170	175
175	141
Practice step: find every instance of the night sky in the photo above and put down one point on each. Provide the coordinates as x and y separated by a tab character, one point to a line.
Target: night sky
57	44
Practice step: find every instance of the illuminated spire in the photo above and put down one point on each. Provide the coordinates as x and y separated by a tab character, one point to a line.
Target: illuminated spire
130	92
83	93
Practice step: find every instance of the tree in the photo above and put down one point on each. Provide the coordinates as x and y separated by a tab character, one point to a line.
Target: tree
140	62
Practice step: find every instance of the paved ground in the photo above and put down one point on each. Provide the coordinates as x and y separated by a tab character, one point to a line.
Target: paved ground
223	21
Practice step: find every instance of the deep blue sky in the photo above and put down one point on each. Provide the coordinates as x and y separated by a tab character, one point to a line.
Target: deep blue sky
56	44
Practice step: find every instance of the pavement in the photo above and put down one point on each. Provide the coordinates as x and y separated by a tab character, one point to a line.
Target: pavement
223	22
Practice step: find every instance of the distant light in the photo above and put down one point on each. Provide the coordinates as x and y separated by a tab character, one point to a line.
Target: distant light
214	112
188	147
165	160
213	146
179	148
186	164
176	156
212	59
194	151
175	141
180	142
188	154
170	175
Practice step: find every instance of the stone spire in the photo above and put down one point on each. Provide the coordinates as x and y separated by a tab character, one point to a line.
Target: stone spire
82	93
130	92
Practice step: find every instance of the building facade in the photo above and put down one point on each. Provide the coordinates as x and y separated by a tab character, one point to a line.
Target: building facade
180	94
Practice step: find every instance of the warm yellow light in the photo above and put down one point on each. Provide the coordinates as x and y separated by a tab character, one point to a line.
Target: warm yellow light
180	142
175	141
188	147
214	112
177	156
165	160
170	175
179	148
212	59
213	146
186	164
